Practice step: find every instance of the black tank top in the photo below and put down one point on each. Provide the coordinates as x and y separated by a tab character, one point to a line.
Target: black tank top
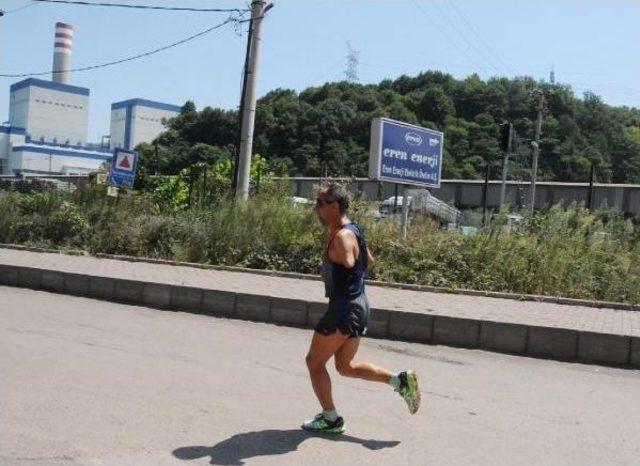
342	283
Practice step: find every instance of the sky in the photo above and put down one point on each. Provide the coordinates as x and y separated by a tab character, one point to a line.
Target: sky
592	45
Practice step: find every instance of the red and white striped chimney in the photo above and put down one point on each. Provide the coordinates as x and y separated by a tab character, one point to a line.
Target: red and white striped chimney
62	53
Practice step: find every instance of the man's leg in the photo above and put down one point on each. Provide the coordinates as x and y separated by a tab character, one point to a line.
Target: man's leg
321	350
405	382
348	367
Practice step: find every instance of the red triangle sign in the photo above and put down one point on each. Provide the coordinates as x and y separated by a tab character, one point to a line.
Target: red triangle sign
125	162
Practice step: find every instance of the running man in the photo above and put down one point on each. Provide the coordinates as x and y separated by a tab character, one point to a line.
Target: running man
339	330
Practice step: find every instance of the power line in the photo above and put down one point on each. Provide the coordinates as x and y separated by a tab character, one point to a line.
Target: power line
145	7
445	33
123	60
443	13
23	7
474	31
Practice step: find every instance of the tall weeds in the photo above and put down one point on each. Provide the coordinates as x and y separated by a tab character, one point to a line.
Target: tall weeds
567	252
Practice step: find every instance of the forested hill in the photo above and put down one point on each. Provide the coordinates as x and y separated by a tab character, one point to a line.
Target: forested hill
327	128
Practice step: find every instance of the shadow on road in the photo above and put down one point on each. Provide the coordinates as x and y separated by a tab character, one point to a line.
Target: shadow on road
267	442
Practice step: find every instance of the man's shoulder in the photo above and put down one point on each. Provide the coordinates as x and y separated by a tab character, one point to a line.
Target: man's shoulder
345	235
346	232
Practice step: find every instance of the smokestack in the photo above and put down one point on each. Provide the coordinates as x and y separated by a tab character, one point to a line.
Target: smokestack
62	53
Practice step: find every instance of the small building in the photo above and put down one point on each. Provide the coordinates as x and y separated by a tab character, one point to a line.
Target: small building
9	136
44	159
138	120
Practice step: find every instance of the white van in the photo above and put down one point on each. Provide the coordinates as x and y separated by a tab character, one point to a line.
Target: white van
387	206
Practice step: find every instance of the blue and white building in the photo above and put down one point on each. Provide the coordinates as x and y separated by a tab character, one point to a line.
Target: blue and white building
48	122
9	137
138	120
46	159
51	112
47	130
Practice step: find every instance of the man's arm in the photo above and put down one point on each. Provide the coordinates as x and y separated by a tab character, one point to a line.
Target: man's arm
370	259
344	248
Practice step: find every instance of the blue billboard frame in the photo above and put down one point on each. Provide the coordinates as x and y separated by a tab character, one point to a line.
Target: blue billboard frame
405	154
123	178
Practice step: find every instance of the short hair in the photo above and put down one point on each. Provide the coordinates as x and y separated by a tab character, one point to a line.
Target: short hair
338	193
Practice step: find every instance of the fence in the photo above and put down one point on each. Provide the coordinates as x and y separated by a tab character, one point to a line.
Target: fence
466	194
36	183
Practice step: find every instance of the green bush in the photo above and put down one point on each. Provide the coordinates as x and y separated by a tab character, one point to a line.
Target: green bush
565	251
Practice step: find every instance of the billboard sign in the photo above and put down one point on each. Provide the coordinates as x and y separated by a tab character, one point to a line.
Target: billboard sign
123	168
404	153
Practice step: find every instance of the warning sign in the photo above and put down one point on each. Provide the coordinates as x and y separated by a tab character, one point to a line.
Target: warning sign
123	168
123	161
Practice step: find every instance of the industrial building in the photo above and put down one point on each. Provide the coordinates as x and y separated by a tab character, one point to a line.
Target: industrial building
138	120
48	122
53	112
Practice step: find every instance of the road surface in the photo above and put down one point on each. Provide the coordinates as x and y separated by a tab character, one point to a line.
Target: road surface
87	382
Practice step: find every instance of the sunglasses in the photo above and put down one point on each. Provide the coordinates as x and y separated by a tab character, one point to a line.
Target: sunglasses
321	202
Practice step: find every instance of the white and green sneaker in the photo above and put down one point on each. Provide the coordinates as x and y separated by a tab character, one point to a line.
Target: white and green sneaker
322	424
409	391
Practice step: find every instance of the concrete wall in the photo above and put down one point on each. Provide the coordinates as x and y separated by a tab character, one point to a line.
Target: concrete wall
59	114
52	159
138	120
9	137
4	150
468	194
19	107
117	127
146	123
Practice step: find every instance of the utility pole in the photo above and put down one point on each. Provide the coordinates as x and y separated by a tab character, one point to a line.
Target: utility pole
590	193
536	151
236	164
353	59
485	193
506	148
258	10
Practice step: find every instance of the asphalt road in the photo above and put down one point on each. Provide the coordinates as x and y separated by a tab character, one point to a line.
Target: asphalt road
86	382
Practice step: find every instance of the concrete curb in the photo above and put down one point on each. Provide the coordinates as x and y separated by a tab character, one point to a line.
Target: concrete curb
302	276
545	342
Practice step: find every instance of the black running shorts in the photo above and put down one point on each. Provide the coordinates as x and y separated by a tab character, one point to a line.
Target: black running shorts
350	317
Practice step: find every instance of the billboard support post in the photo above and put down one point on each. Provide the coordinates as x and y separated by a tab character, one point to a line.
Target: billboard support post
405	211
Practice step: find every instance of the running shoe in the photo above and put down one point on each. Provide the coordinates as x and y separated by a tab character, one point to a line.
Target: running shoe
322	424
409	391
